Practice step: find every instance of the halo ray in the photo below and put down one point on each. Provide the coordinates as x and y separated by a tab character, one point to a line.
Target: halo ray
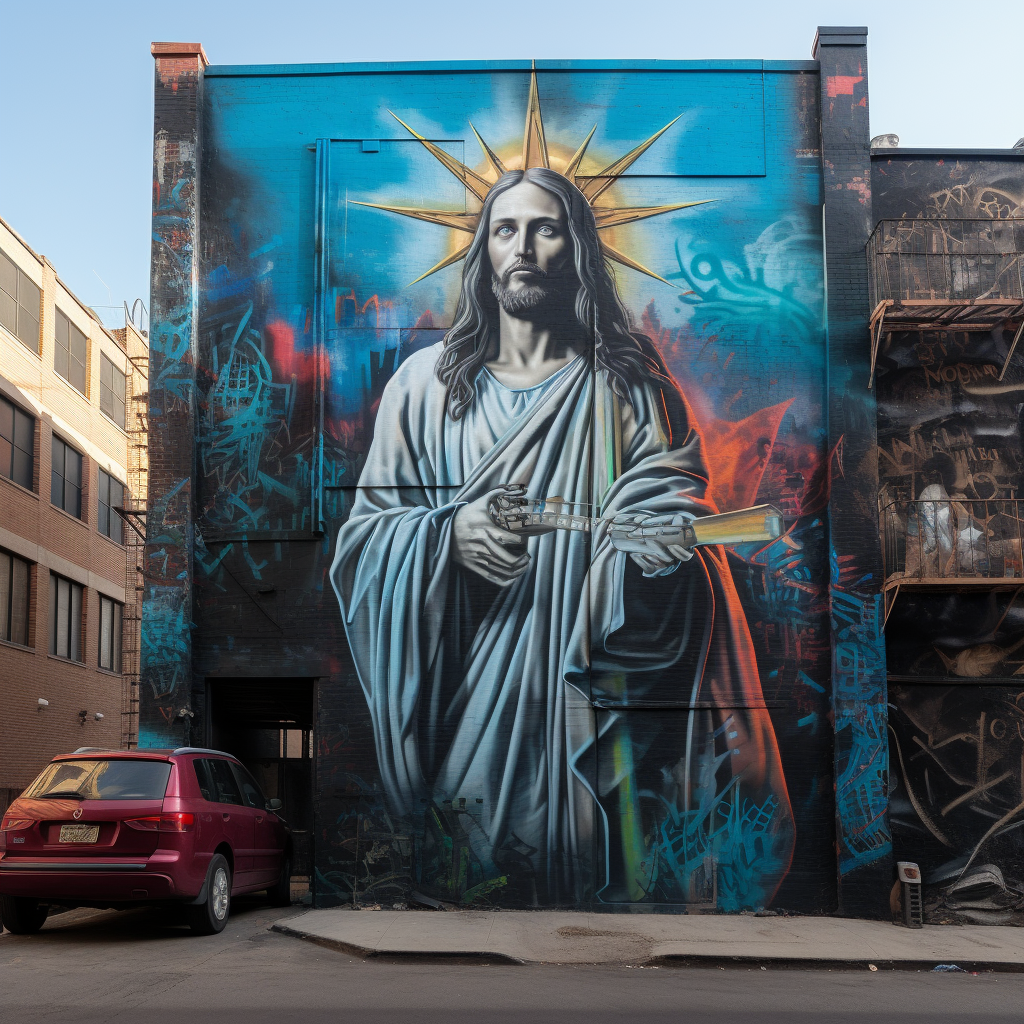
535	154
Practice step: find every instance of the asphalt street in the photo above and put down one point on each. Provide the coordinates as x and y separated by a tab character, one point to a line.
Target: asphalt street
89	966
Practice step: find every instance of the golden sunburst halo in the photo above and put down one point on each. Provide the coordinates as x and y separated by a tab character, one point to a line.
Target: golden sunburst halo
535	154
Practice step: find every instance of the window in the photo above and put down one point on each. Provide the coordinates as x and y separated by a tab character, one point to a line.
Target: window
19	303
66	478
120	779
251	792
69	353
223	787
293	743
112	391
14	578
65	618
17	444
110	634
111	497
203	778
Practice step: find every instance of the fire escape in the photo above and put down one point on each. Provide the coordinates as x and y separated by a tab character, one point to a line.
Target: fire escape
928	275
134	515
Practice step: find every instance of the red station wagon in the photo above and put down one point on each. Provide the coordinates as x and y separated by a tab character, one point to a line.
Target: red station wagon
109	828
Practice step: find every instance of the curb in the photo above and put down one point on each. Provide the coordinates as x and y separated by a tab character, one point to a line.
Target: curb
829	964
366	953
669	960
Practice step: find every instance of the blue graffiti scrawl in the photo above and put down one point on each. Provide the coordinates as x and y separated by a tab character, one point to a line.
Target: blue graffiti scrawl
861	782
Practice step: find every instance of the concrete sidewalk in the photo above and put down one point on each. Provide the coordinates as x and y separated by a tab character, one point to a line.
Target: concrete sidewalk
653	939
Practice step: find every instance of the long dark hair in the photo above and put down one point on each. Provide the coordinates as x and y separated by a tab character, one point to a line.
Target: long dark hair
602	322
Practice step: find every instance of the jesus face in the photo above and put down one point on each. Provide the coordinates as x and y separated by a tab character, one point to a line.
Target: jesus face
529	247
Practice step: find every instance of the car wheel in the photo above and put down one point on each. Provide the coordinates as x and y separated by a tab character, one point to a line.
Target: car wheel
210	916
21	915
280	892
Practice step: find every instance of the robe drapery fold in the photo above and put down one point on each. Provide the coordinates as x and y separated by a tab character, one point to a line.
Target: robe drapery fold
487	695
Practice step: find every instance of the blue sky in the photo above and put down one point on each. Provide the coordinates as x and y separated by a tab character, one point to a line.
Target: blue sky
78	86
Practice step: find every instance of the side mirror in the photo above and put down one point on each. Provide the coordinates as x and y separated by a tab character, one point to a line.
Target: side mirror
274	805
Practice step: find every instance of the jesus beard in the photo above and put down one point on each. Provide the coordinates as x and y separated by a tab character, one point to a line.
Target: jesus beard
532	298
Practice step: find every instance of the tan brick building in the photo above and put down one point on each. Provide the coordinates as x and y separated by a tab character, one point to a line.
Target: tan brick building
65	580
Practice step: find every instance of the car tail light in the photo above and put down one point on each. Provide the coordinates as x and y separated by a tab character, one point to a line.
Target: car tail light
14	824
179	821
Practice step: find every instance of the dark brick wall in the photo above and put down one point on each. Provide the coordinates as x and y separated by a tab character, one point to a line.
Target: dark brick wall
955	655
167	616
864	846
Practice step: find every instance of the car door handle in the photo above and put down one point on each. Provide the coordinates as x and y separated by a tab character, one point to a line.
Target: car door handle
259	818
226	817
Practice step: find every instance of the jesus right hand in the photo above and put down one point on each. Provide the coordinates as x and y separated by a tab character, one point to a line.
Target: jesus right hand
486	549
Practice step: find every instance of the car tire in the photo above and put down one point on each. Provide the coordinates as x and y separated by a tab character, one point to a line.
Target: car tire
21	915
210	916
280	892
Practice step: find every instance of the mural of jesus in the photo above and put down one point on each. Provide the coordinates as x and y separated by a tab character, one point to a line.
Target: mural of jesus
501	671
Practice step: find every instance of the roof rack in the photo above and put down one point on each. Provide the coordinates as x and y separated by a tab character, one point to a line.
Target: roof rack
151	750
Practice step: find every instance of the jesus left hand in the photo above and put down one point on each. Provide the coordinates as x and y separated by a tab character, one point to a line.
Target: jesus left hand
631	532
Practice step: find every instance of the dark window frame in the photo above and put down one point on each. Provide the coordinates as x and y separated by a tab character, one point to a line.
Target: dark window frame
71	353
61	495
108	522
243	778
75	617
8	567
113	394
116	634
215	785
20	470
203	779
22	297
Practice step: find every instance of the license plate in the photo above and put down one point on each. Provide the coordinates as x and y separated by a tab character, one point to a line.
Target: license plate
79	833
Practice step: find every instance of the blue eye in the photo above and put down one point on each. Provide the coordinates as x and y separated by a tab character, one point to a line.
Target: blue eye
504	231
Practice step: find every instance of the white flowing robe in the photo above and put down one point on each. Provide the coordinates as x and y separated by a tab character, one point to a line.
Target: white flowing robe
483	694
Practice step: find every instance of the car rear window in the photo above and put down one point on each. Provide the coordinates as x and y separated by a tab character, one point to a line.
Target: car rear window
120	779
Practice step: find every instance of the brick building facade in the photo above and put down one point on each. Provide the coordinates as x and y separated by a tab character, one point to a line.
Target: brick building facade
64	463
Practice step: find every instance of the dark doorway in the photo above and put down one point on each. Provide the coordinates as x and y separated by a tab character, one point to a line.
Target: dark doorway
268	725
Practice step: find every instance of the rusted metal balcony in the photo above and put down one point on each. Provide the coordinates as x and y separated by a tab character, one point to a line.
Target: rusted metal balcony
952	544
945	275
